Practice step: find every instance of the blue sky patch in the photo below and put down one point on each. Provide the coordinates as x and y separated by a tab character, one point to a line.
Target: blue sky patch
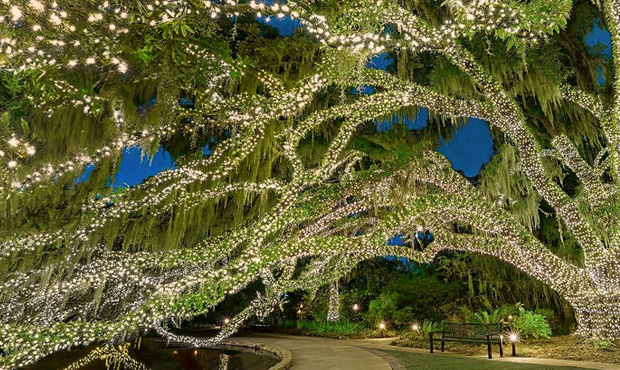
86	174
470	147
418	123
285	26
366	90
381	61
599	35
134	169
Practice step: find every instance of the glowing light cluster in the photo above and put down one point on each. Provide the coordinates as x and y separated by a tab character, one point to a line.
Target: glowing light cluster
331	215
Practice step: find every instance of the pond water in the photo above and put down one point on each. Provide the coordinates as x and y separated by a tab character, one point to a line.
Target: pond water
150	354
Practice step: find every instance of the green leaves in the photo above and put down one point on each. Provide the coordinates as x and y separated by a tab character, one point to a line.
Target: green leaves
528	323
143	55
176	28
5	119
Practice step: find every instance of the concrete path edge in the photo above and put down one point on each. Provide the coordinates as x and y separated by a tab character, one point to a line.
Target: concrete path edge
284	355
393	362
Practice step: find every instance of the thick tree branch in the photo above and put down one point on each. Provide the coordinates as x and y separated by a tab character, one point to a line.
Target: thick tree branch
510	119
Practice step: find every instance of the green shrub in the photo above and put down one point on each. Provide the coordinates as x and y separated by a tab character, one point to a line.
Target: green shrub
288	324
604	345
429	326
381	309
325	328
484	317
528	323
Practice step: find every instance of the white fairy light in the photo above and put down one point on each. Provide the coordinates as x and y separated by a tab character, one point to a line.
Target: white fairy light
16	13
54	19
122	67
150	289
36	5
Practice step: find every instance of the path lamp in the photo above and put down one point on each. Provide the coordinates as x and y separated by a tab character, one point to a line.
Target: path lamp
355	312
514	338
382	328
415	327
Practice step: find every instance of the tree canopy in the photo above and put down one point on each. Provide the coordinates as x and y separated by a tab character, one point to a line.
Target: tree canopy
298	187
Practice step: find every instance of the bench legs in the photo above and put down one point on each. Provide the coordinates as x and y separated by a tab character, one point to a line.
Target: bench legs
489	347
431	341
501	346
443	345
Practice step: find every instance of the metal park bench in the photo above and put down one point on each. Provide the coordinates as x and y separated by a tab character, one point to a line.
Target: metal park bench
469	333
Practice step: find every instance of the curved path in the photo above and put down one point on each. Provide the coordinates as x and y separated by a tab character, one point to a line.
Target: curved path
312	353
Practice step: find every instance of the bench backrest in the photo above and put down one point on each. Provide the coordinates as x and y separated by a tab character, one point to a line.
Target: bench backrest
466	330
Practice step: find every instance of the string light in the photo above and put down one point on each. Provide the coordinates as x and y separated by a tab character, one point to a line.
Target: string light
333	313
92	293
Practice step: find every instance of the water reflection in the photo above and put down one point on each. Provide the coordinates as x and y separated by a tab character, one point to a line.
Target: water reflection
223	361
112	358
148	353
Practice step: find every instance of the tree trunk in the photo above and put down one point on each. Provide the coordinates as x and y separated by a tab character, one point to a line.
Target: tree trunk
598	316
333	314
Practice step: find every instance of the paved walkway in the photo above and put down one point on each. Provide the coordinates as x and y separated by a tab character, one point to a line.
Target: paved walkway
323	354
310	353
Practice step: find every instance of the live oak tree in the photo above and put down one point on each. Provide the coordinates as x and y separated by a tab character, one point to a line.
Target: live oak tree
288	197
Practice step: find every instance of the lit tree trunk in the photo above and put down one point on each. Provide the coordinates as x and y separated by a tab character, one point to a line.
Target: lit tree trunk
597	306
597	316
333	313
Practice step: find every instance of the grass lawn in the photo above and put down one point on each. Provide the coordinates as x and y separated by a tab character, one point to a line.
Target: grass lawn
426	361
564	347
